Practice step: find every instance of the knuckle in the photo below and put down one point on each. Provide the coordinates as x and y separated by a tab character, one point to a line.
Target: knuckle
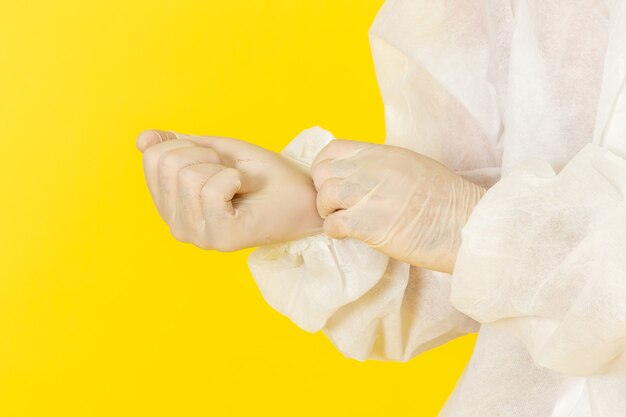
205	236
322	206
347	191
225	245
343	224
342	167
334	166
219	246
168	162
188	177
151	155
179	233
201	228
211	193
203	244
320	171
218	236
230	172
334	187
320	199
325	197
210	155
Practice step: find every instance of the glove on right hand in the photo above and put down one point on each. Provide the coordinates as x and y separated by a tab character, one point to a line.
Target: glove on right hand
407	205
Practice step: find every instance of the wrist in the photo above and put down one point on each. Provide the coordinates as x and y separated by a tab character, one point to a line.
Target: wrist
472	193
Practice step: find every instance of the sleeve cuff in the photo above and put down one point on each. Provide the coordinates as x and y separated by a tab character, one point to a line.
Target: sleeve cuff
543	258
309	279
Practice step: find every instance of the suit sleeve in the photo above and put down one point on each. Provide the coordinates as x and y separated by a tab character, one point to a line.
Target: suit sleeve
544	258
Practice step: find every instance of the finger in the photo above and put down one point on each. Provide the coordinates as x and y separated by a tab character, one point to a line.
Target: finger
218	192
338	225
151	158
170	163
151	137
189	215
339	149
208	141
337	194
332	168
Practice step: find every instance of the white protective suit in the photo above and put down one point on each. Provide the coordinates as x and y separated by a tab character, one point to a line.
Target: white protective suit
527	98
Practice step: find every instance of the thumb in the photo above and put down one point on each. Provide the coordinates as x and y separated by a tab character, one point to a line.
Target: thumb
147	138
338	225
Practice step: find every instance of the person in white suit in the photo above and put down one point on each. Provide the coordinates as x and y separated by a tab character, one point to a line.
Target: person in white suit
497	204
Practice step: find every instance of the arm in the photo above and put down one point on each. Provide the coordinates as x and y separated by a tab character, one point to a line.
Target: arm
426	104
370	306
543	258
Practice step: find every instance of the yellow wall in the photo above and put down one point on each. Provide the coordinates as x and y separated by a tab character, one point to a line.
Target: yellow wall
102	312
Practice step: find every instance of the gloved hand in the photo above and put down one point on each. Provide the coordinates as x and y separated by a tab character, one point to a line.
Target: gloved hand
405	204
226	194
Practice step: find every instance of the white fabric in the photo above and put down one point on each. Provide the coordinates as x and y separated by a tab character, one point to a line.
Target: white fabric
543	257
529	96
369	305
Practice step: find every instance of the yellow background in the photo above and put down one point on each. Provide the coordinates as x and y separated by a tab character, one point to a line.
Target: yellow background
102	312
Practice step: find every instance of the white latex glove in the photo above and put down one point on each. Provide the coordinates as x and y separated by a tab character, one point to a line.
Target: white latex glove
405	204
226	194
